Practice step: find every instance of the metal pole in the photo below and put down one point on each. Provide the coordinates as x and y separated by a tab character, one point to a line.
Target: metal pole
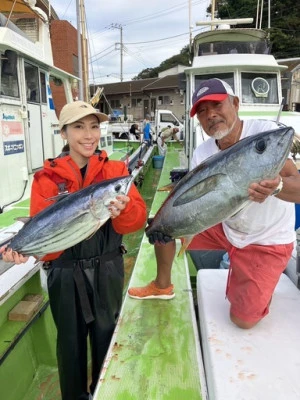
257	14
190	27
79	49
261	13
212	12
121	49
269	14
85	67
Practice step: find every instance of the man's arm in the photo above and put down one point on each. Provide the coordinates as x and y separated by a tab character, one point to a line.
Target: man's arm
290	185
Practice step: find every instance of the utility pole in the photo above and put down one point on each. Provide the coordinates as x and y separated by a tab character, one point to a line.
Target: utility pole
119	26
85	64
83	69
79	50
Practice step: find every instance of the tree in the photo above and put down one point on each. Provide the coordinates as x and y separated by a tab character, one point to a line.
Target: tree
181	58
284	29
284	22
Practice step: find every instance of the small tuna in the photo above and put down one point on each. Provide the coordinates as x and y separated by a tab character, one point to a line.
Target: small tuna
70	220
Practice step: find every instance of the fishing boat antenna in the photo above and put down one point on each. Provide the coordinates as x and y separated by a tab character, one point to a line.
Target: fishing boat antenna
238	21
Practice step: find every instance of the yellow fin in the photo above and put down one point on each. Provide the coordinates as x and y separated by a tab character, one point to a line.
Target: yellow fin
185	244
166	188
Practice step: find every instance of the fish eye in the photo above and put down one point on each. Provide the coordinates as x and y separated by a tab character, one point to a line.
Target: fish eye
117	187
260	145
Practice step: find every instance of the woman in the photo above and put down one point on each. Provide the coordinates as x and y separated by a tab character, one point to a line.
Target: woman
85	282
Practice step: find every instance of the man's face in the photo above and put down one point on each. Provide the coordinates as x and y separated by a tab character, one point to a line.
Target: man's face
218	118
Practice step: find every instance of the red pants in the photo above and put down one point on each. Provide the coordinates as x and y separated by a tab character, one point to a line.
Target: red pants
253	274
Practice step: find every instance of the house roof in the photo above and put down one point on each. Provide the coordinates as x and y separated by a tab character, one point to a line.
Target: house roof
141	86
167	82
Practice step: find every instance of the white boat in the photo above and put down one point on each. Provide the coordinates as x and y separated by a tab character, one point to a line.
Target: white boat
241	57
29	131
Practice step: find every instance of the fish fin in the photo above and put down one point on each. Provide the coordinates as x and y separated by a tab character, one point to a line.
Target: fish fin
199	189
185	244
23	219
167	188
244	205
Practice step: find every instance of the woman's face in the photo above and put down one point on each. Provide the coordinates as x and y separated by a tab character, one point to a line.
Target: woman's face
83	137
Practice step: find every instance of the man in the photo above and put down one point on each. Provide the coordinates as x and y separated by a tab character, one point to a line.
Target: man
260	238
166	134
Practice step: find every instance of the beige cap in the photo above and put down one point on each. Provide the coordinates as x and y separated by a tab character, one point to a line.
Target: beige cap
72	112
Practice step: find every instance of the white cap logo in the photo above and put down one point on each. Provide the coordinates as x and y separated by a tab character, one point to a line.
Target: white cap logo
202	90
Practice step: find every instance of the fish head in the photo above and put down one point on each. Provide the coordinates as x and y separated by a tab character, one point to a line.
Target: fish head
106	191
122	185
261	156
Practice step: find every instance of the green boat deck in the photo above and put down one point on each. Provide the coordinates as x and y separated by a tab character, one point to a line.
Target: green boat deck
155	352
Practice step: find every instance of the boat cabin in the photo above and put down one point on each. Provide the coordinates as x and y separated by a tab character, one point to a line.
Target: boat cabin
29	131
241	57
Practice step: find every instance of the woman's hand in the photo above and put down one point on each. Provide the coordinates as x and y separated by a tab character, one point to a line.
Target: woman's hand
116	207
8	255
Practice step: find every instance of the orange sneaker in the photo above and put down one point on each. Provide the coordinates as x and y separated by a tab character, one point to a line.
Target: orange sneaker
151	291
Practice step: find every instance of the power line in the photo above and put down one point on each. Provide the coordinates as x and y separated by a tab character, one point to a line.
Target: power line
156	15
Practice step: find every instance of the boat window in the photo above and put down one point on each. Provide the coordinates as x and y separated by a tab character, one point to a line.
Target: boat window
233	47
102	142
32	83
109	140
9	76
227	77
43	87
259	88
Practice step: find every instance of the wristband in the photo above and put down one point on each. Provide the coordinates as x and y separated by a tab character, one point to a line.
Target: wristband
279	188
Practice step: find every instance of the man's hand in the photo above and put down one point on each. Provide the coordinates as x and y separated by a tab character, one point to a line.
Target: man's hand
158	237
258	192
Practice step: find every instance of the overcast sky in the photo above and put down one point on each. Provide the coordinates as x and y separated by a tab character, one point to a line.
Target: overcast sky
152	32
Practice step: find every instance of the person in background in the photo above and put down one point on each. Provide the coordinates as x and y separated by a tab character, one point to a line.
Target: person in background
85	282
260	238
165	135
134	131
147	131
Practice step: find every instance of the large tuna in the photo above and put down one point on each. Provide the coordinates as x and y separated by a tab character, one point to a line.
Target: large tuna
70	220
218	188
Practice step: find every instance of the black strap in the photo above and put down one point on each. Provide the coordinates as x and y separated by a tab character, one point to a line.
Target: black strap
83	296
78	267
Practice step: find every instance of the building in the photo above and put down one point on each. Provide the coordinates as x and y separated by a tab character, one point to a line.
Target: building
65	56
133	100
